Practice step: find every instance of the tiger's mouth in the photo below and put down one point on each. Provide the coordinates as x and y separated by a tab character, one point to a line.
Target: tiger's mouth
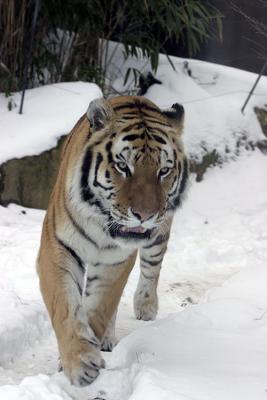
137	232
136	229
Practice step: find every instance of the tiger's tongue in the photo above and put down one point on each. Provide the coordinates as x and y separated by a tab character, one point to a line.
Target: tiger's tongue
136	229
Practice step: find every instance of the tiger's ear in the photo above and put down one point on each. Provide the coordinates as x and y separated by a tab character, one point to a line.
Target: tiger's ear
99	113
175	115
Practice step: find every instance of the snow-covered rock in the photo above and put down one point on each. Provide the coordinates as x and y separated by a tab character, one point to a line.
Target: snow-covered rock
49	112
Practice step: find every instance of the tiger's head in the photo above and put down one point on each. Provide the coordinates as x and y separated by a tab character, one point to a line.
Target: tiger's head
134	170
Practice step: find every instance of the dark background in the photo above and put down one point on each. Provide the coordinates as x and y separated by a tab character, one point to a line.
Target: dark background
241	44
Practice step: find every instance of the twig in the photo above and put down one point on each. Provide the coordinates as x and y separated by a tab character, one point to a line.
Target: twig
254	86
28	62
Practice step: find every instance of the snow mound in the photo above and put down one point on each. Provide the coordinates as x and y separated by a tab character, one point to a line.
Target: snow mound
49	112
215	350
23	315
209	342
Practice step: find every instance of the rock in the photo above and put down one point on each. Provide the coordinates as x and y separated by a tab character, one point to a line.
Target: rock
199	168
28	181
261	114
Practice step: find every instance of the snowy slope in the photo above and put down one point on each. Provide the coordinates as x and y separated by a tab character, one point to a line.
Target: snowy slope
49	112
209	341
212	96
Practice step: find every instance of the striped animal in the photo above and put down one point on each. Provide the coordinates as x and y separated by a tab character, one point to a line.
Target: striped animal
123	174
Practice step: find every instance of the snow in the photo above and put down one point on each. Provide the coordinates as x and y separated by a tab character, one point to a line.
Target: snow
213	118
212	96
209	340
49	112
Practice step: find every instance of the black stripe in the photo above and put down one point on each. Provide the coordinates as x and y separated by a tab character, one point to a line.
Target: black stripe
138	106
137	157
158	254
128	117
174	186
125	105
99	159
135	125
184	177
108	150
88	282
173	189
146	107
108	265
152	263
78	227
159	139
156	121
99	205
131	137
162	150
159	240
93	278
86	192
150	278
110	196
93	342
156	130
71	252
108	146
177	201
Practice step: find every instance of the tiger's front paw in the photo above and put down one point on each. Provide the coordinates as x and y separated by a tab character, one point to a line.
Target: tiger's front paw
108	343
81	361
145	306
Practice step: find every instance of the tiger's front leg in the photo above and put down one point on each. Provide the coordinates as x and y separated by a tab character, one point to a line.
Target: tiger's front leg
80	320
78	345
109	340
146	298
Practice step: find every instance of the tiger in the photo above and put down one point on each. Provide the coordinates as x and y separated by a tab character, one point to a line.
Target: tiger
122	175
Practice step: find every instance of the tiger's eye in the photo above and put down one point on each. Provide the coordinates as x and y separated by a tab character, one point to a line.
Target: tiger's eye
122	165
164	171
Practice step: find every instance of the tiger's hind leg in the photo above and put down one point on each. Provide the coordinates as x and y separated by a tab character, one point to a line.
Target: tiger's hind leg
145	297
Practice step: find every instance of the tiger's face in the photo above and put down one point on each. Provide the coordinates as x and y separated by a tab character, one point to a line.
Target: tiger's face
134	171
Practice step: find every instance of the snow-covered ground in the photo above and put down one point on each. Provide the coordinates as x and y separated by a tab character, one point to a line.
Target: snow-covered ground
209	341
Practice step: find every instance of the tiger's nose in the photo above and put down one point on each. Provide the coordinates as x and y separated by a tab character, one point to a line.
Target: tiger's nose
143	216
